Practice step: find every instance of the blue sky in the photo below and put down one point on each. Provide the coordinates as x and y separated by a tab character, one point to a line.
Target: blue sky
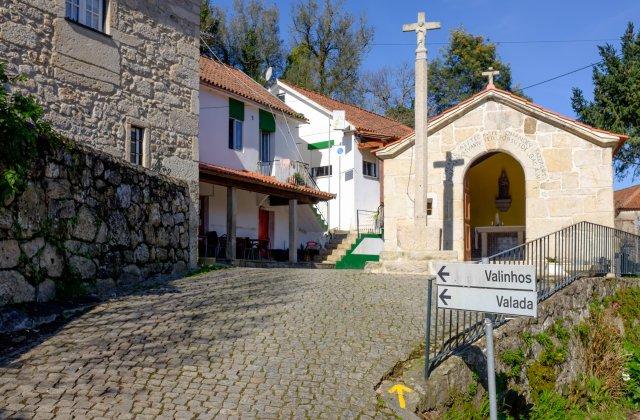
502	20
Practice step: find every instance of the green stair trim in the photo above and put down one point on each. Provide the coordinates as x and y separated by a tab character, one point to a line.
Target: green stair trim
357	261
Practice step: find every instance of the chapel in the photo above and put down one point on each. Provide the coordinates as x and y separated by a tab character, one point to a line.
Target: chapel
501	170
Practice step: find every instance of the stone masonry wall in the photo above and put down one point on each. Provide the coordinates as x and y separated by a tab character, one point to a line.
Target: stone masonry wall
143	71
87	221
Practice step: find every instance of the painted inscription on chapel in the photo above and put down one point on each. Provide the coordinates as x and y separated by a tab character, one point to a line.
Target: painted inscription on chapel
509	141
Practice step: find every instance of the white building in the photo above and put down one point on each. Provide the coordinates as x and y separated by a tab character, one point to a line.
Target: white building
338	143
253	183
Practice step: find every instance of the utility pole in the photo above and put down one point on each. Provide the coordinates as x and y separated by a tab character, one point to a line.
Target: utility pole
420	28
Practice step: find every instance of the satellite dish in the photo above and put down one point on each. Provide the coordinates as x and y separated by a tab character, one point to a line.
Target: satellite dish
268	74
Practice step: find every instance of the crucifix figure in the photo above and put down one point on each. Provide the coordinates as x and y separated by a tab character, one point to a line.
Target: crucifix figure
489	75
420	28
449	165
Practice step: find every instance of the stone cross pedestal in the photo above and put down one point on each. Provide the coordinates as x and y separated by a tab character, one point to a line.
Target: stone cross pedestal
420	28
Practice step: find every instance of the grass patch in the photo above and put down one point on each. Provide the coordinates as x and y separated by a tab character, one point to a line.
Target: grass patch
208	268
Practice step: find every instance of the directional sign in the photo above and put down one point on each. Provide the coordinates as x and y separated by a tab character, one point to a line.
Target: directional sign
499	301
495	288
495	276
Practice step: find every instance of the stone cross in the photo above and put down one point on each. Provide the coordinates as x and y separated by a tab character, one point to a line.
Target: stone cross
420	28
489	75
449	165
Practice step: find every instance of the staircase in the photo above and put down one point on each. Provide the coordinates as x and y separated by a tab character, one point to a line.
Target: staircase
341	241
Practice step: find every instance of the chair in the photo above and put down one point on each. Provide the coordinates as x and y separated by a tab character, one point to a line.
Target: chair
212	243
222	246
250	249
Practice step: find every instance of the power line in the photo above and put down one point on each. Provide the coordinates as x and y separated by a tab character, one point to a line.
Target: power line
526	42
561	75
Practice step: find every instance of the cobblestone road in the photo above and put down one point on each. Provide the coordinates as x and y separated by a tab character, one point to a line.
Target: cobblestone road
233	343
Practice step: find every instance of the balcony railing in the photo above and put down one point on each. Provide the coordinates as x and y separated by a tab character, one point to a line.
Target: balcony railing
289	171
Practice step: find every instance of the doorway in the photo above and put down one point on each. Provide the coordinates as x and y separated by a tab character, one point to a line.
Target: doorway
494	216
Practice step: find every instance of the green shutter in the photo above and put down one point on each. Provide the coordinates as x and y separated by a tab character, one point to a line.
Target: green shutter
236	109
320	145
267	121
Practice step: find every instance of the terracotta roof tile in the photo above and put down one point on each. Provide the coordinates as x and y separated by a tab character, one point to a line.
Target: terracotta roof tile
259	179
627	198
366	122
230	79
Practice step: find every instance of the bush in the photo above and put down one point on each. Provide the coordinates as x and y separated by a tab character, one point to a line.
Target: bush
22	133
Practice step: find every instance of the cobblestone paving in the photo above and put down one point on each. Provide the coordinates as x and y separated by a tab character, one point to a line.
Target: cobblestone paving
234	343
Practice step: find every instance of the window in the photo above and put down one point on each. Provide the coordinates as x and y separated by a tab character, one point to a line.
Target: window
90	13
137	143
369	169
235	134
348	175
265	147
429	206
321	171
281	96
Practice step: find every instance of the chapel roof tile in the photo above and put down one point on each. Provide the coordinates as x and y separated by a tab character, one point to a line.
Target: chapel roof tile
627	198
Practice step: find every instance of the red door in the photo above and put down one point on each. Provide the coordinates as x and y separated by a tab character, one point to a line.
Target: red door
263	224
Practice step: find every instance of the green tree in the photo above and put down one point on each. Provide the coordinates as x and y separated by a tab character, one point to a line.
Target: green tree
248	39
616	98
329	44
457	74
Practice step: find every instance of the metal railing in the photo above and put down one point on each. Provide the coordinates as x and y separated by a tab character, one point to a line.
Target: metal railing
289	171
368	221
580	250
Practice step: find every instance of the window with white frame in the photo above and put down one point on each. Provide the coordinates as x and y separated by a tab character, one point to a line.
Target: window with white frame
321	171
369	169
136	153
90	13
235	134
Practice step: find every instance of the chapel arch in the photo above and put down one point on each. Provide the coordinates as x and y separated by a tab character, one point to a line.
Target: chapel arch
494	209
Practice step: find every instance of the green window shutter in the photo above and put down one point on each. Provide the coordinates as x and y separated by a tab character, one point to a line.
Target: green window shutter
267	121
320	145
236	109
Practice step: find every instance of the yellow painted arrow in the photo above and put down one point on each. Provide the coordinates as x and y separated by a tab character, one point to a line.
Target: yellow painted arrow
400	389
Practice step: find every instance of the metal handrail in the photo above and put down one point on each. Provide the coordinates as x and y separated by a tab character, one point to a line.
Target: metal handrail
290	171
581	250
369	221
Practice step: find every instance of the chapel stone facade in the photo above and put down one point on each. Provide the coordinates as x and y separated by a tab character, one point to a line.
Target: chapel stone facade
566	168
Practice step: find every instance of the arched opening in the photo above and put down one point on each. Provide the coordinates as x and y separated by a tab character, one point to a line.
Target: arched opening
494	205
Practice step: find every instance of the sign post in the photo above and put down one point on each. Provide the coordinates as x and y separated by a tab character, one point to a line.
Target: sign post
507	289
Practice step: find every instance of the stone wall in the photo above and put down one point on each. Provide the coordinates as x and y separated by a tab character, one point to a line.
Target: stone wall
568	179
626	220
143	70
89	222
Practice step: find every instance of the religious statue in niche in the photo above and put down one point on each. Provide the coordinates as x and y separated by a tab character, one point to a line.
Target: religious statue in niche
503	200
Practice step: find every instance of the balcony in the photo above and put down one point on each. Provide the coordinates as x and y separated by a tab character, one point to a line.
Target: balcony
289	171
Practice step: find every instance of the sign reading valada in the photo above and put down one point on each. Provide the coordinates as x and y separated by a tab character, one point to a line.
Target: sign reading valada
498	288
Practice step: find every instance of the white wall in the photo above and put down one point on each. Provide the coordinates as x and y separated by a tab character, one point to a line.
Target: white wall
214	133
359	192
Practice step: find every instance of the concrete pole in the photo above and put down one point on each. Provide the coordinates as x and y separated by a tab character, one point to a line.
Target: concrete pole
421	113
293	230
232	207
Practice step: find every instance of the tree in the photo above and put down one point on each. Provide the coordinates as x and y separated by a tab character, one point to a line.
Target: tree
249	39
329	44
616	98
457	74
390	91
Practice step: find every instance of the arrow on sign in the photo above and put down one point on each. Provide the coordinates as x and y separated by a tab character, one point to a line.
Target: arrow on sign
442	274
444	296
399	390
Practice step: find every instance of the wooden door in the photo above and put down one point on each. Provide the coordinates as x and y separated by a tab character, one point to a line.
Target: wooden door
467	220
263	224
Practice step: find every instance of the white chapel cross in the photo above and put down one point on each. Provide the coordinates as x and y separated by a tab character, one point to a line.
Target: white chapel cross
421	27
489	75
